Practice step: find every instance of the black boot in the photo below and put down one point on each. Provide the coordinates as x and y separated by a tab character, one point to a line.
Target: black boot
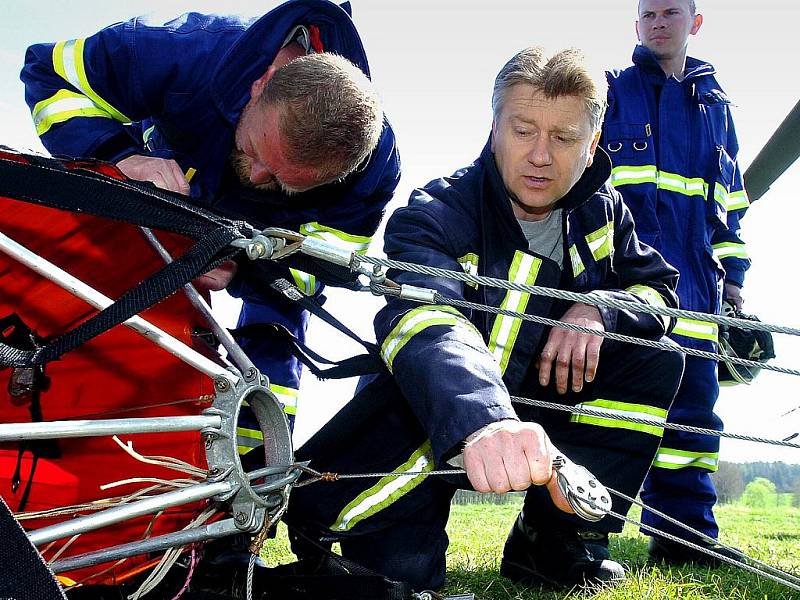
596	542
554	556
674	553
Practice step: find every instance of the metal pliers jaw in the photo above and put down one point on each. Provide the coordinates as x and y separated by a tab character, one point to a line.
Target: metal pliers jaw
586	495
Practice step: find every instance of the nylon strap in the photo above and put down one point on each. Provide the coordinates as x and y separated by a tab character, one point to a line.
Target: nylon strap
48	182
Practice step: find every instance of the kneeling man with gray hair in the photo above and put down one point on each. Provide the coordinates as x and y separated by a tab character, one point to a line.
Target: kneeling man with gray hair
534	208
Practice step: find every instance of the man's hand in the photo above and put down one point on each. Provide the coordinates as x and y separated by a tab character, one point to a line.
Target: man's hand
512	455
163	172
508	455
570	348
733	294
216	279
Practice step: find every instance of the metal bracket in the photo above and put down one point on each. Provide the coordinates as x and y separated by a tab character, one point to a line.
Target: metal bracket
250	506
586	495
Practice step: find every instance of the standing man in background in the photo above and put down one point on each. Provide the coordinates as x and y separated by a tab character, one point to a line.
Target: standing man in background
670	136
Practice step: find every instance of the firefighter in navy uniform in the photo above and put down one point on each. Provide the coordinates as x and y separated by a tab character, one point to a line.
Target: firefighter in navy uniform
200	106
534	208
671	139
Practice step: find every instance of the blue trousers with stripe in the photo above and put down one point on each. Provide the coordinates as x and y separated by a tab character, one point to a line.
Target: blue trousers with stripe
402	536
685	491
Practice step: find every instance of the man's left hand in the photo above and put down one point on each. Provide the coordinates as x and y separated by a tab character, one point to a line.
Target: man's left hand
216	279
733	294
580	351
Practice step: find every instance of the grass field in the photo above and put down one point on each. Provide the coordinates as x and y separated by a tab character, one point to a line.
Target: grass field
477	534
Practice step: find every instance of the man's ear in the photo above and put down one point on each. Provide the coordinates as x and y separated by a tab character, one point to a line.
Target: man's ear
593	149
494	126
636	26
257	87
698	21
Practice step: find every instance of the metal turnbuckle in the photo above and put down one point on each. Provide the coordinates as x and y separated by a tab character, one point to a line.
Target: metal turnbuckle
586	495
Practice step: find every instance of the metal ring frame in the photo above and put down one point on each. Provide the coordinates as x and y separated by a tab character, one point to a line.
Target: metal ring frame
252	499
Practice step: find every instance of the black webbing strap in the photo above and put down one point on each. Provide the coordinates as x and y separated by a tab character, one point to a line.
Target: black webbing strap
25	574
47	182
355	366
202	257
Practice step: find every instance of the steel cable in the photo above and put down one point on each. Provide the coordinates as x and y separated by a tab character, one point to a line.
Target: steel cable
587	298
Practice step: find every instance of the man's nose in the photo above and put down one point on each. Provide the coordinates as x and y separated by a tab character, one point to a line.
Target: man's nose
259	173
539	155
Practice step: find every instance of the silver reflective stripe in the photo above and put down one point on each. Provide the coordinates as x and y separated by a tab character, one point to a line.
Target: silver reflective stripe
62	106
68	62
417	320
387	491
671	458
524	269
700	330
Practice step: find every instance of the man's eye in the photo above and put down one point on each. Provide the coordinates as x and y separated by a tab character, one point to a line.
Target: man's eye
522	132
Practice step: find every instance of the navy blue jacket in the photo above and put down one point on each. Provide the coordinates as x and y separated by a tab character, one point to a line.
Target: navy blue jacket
183	85
456	368
674	149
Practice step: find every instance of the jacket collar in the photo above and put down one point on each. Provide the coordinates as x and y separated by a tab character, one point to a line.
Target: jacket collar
590	182
645	59
251	54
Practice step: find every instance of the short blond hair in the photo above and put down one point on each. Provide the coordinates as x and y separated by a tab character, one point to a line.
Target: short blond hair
692	7
563	74
331	114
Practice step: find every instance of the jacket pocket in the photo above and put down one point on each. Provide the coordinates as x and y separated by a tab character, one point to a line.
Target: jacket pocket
635	176
629	143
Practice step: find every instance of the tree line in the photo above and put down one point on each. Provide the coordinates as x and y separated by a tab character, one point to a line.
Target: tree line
751	483
732	479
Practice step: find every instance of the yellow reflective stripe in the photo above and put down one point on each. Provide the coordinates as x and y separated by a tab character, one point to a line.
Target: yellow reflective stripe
524	269
469	262
354	243
738	200
728	249
147	133
629	175
286	396
650	296
683	185
60	107
670	458
387	491
419	319
68	62
623	409
701	330
601	242
248	439
577	262
306	282
721	196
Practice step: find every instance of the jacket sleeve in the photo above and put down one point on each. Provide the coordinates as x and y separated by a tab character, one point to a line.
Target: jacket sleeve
83	92
438	358
726	242
643	276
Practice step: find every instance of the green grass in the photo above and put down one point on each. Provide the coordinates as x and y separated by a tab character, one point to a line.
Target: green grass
477	534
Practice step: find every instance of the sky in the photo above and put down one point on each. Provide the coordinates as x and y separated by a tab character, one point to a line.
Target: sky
434	61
